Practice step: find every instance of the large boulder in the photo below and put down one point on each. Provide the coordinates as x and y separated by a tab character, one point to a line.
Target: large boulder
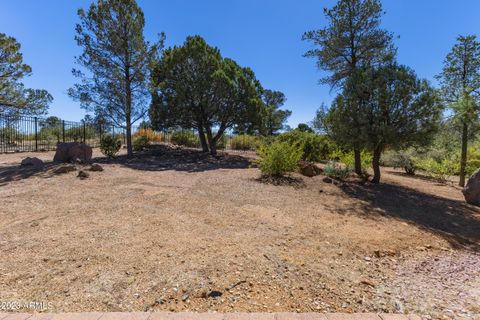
34	163
309	169
471	192
73	152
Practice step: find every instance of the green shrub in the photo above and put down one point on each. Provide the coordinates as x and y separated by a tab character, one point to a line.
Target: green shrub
245	142
185	138
336	171
278	158
348	159
439	170
315	147
110	145
473	162
140	143
404	159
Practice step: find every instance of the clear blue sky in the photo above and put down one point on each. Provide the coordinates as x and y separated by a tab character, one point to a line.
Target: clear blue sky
262	34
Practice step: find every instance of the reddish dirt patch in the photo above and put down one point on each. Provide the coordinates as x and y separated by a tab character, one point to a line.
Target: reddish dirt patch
179	230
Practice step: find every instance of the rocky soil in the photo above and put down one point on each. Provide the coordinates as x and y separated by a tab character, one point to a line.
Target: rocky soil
178	230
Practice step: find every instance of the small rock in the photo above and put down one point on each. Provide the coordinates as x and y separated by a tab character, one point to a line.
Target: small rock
377	253
96	167
32	162
327	180
367	259
83	175
185	297
367	283
215	294
65	169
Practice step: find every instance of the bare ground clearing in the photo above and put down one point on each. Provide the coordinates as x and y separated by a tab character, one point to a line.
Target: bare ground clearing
179	230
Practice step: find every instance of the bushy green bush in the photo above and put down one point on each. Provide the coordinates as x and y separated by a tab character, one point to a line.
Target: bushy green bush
315	147
439	170
347	158
185	138
245	142
405	159
473	156
334	170
140	143
110	146
278	158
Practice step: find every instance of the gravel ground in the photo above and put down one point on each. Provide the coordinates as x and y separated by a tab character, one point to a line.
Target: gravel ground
177	230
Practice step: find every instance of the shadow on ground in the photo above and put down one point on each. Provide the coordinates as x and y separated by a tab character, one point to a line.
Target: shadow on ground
163	158
455	221
17	172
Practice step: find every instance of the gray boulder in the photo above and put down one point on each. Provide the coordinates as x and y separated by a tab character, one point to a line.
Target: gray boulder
34	162
471	192
73	152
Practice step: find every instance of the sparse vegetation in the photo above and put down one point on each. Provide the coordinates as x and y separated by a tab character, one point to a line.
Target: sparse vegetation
110	145
278	158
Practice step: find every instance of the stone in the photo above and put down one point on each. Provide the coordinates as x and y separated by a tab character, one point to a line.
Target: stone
96	167
65	169
33	163
73	152
328	180
471	192
309	169
83	175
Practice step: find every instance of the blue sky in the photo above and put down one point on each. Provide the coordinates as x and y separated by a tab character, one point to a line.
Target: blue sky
262	34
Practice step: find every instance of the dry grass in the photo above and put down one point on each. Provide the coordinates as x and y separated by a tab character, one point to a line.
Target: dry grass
163	231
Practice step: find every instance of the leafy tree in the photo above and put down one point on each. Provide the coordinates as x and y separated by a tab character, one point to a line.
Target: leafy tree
116	58
51	126
398	110
15	99
353	39
460	81
273	118
196	88
303	127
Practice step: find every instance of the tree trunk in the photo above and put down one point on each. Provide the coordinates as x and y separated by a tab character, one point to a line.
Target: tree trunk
212	143
201	136
358	161
377	153
129	135
463	160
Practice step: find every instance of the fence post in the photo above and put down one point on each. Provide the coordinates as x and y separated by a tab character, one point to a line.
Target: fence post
36	134
63	131
84	133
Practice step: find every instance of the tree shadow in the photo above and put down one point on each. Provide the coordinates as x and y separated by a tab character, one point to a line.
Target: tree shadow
17	172
164	158
455	221
420	176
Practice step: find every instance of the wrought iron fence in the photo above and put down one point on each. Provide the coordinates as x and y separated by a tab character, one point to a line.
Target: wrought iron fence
21	133
34	134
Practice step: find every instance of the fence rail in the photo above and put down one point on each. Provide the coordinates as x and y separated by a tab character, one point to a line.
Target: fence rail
21	133
35	134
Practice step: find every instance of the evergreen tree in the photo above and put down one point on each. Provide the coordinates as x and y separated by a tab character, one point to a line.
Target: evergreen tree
460	82
15	99
352	39
116	59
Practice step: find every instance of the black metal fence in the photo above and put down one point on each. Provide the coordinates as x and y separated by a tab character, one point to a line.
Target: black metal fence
34	134
20	133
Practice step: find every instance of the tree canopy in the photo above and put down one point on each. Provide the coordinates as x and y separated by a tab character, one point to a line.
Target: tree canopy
195	87
15	99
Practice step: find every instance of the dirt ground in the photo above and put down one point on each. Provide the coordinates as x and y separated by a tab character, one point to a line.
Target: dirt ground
178	230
